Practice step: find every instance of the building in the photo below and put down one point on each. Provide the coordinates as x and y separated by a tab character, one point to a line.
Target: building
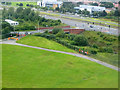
89	8
50	3
12	23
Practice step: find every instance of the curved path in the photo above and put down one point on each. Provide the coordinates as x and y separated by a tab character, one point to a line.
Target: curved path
77	55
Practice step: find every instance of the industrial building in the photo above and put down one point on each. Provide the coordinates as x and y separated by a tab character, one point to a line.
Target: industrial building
50	3
89	8
12	23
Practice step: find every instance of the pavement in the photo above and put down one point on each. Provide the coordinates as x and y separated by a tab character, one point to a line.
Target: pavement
13	42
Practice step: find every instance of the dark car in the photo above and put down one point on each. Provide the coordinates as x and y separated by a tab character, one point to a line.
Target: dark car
91	26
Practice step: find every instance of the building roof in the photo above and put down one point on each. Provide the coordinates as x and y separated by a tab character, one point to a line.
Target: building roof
88	6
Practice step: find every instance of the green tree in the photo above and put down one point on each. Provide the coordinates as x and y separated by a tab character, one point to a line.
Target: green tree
107	4
26	11
19	10
94	4
11	11
79	12
57	9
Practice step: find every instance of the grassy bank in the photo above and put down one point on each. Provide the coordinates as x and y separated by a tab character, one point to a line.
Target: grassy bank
25	67
44	43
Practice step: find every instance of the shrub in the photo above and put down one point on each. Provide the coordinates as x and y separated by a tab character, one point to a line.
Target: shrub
101	35
80	40
95	46
52	37
93	52
56	30
106	49
60	34
46	31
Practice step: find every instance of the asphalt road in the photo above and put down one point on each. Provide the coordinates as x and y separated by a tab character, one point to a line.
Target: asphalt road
84	18
86	26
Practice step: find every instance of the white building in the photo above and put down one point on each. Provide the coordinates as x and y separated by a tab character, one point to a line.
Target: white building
89	8
12	23
50	3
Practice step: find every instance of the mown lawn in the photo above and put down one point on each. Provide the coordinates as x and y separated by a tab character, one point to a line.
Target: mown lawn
44	43
25	67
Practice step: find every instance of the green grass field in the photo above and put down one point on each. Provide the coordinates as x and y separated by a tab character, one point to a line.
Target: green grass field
24	3
44	43
25	67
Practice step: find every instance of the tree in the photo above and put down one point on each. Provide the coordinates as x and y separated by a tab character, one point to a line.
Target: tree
79	3
94	4
117	13
85	12
11	11
79	12
51	8
104	13
57	9
19	10
107	4
26	11
80	40
119	2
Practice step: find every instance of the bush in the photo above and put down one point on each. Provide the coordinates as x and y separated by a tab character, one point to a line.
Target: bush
56	30
60	34
52	37
80	40
46	31
95	46
110	39
93	52
101	35
106	49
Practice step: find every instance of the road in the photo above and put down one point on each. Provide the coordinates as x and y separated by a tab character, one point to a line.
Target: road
13	42
83	25
86	26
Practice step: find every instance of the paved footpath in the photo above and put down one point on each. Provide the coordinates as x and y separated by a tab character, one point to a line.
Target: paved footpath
77	55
